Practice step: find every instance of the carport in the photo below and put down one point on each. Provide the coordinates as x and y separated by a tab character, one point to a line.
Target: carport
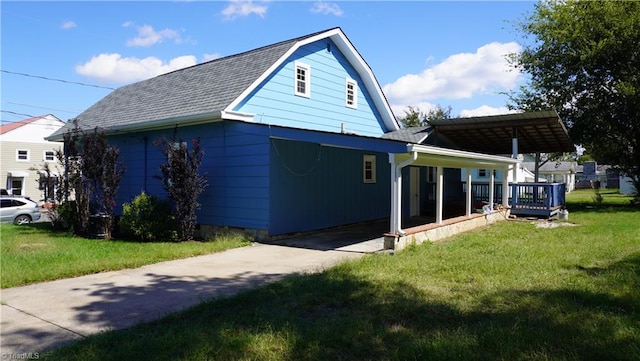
489	142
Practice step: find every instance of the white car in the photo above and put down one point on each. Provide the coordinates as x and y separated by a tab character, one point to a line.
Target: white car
19	210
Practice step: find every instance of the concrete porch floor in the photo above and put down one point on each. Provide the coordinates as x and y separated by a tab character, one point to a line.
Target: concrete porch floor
364	237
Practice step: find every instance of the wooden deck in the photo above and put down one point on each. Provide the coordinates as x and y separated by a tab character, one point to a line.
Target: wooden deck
526	199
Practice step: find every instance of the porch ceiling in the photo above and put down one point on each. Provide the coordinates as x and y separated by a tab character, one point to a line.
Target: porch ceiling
541	131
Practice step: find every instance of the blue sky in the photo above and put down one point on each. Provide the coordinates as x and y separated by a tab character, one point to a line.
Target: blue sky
423	53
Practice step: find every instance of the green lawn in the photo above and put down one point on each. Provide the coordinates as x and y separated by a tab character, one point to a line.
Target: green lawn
508	292
33	253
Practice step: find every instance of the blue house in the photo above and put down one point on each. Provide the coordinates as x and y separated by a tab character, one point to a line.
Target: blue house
297	136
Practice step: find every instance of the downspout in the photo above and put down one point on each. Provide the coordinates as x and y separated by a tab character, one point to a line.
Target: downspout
396	192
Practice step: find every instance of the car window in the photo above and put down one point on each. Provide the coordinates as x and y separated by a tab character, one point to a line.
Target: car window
4	203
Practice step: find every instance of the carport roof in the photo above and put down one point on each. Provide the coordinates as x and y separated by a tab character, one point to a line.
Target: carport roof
541	131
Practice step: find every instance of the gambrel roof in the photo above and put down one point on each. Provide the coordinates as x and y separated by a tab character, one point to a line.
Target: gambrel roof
210	90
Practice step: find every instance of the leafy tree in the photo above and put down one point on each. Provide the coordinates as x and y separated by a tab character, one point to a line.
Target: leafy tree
181	180
414	117
584	61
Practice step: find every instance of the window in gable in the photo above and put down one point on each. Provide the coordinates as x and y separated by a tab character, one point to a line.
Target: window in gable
351	94
302	84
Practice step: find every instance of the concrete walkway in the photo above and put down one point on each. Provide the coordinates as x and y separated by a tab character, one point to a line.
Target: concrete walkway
43	316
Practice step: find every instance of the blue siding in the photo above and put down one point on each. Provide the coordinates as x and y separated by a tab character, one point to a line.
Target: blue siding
274	101
266	178
315	187
236	162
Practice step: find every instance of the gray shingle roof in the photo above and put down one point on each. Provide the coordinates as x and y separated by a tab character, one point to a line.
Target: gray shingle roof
413	135
200	89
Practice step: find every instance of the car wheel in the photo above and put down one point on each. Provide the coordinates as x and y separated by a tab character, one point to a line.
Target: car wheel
22	219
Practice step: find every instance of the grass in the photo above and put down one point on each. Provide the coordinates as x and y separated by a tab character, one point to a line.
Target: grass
508	292
34	253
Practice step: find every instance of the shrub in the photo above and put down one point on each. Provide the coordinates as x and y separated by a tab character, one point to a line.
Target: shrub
148	218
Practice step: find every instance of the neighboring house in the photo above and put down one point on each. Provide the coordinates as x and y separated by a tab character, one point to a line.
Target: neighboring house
23	148
292	136
556	172
592	175
626	186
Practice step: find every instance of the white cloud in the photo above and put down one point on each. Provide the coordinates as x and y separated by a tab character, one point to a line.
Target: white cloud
485	110
113	68
69	25
237	8
458	76
324	8
147	36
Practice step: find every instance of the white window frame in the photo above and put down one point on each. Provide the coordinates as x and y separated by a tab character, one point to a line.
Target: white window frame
353	92
368	168
18	155
53	156
307	79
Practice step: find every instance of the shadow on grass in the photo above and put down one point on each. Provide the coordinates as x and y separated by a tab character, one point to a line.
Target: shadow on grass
339	316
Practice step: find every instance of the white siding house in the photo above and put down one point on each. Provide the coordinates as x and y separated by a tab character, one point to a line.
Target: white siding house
23	148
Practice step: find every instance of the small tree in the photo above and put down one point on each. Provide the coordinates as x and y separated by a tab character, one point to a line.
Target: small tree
414	117
92	176
181	180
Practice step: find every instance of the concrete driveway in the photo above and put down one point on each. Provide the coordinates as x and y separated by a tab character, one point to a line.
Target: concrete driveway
39	317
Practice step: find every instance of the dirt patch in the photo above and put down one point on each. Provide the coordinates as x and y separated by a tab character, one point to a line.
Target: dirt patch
553	224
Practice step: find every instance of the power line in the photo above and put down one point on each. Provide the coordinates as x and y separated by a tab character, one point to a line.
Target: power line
59	80
43	107
14	113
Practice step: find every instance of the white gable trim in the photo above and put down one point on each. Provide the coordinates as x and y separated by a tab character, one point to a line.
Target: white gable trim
354	58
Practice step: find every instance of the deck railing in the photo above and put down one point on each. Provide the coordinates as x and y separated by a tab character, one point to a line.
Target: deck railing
537	198
524	198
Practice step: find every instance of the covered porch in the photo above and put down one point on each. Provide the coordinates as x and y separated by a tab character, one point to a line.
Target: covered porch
404	229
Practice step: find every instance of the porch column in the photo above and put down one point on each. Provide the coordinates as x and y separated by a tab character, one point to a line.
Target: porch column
439	192
469	192
396	191
514	190
492	181
396	196
505	186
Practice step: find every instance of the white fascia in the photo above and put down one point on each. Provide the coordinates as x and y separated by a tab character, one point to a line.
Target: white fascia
459	158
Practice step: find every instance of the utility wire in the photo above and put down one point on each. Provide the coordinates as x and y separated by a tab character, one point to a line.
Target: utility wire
14	113
59	80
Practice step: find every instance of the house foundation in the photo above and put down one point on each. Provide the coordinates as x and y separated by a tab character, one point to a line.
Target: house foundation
433	232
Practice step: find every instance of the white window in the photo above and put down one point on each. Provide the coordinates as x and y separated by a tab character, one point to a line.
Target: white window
351	93
369	168
49	156
302	84
16	186
22	155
